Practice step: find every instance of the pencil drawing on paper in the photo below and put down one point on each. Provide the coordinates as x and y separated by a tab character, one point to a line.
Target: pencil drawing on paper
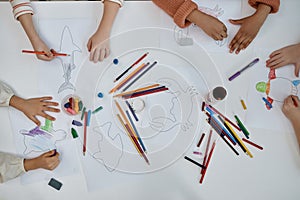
39	140
108	155
180	95
276	88
67	45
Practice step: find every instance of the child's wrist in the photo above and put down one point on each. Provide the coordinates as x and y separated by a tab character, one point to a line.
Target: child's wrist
29	165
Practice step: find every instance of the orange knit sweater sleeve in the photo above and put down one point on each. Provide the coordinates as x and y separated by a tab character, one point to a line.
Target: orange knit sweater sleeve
177	9
274	4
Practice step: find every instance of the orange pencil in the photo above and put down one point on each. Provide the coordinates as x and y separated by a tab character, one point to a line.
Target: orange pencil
130	76
43	53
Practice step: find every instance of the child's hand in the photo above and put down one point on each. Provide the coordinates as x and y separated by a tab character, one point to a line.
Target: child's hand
210	25
285	56
48	160
98	46
291	109
249	28
39	45
35	106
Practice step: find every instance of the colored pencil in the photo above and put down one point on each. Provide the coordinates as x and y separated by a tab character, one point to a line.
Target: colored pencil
129	77
84	133
135	63
196	163
136	132
243	104
207	148
238	138
230	130
133	139
216	111
208	161
253	144
43	53
147	92
221	133
227	133
138	77
201	139
242	127
132	111
137	90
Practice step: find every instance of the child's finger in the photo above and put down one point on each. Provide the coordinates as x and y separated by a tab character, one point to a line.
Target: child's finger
35	120
102	54
50	109
96	55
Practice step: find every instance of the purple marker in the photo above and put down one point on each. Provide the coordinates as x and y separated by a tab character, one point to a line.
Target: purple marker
240	71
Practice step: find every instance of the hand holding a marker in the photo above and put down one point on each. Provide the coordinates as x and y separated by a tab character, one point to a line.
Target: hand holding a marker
48	160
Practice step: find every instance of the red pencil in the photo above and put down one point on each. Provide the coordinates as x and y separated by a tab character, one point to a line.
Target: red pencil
208	160
253	144
84	134
43	53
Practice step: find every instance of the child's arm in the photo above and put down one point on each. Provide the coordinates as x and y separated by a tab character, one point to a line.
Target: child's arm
48	160
251	25
291	109
185	12
12	166
23	12
98	44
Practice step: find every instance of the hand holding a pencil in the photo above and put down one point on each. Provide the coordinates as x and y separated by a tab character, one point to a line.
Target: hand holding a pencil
291	108
40	46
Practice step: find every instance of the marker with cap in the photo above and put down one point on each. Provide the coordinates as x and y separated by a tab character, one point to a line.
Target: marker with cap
243	69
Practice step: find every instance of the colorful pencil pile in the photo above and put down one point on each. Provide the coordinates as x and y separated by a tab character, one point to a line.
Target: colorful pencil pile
229	133
73	105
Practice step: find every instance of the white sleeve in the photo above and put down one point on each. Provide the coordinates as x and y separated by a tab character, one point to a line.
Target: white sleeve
120	2
5	94
21	7
11	166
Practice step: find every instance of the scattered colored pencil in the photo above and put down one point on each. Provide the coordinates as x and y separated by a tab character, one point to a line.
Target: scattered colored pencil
216	111
242	127
201	139
196	163
129	77
84	133
208	161
135	63
239	139
132	111
139	76
253	144
137	90
43	53
221	133
146	92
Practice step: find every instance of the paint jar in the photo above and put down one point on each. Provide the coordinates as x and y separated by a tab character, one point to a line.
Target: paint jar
217	94
72	104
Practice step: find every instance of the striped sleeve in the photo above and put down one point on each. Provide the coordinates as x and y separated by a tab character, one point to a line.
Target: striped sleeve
120	2
21	7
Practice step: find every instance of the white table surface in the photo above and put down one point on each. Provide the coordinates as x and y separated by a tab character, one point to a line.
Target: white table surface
273	173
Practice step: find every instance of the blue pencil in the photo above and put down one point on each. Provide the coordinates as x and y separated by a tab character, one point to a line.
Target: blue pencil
137	134
132	111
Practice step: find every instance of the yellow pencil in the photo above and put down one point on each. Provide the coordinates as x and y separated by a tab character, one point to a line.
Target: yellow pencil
239	139
137	90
